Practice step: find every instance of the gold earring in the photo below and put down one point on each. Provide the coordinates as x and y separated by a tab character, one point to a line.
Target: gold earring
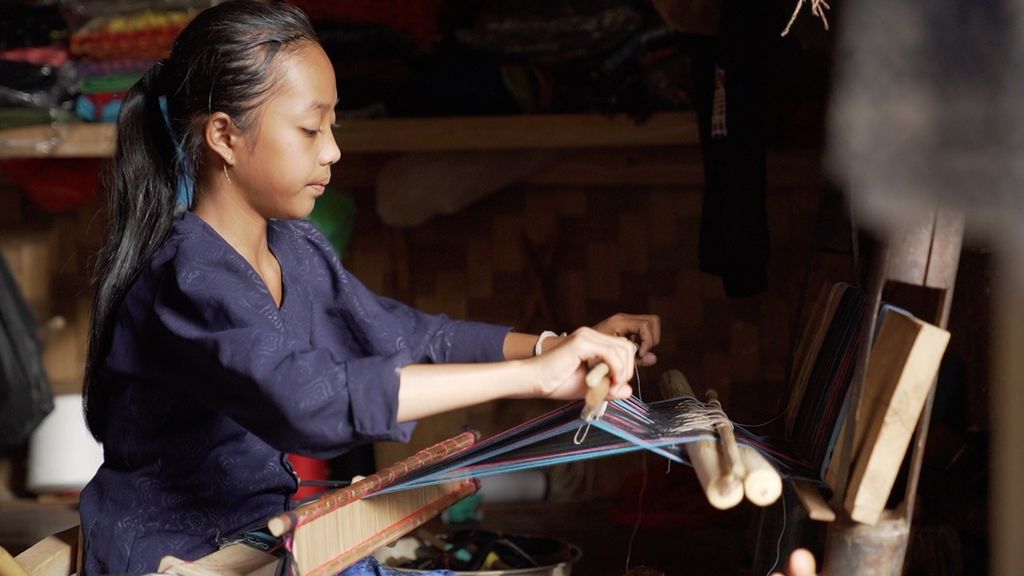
226	175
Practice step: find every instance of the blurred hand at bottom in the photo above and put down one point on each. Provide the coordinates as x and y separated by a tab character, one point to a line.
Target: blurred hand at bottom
801	563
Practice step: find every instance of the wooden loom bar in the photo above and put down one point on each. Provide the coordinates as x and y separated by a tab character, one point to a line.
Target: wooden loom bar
288	521
596	398
732	463
318	552
345	525
724	484
762	483
813	502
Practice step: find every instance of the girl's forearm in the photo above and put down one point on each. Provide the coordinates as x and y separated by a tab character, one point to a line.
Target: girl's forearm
519	346
429	389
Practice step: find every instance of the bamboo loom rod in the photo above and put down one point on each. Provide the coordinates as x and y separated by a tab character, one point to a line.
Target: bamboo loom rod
288	521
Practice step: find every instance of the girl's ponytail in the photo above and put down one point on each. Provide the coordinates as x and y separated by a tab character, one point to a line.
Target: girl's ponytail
141	186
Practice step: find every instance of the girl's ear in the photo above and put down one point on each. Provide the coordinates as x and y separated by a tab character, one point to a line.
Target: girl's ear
222	136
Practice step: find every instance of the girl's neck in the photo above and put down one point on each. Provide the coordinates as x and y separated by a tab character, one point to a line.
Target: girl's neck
242	228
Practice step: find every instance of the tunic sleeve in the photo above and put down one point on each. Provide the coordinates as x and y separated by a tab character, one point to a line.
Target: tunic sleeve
435	338
215	315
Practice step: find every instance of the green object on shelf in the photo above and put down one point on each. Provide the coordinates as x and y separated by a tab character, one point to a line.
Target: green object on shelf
335	216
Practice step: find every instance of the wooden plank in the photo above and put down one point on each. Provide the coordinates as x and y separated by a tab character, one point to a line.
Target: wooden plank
234	560
58	141
812	500
55	555
9	566
903	366
518	132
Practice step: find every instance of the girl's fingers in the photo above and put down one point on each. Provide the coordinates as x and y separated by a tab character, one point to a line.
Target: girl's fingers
620	391
655	323
616	352
645	327
647	338
625	353
652	325
620	354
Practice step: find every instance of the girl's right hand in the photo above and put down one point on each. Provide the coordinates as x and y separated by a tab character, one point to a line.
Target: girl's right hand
562	370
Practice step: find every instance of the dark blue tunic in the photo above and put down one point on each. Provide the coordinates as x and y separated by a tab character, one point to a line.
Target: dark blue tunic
211	384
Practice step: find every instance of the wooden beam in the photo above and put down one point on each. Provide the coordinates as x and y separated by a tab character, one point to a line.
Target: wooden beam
514	132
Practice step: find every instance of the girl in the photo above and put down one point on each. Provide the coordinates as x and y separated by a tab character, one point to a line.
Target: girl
228	335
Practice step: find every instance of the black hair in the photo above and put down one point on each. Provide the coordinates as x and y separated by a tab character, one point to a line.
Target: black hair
222	61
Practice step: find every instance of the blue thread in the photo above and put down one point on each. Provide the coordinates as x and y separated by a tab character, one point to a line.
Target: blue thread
186	183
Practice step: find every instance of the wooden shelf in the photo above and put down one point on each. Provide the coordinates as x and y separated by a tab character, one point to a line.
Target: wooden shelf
407	134
516	132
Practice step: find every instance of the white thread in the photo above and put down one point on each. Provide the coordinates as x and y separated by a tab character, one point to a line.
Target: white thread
639	392
716	405
765	423
818	8
692	414
778	544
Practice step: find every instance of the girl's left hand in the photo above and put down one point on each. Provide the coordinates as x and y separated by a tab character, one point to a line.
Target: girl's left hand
643	329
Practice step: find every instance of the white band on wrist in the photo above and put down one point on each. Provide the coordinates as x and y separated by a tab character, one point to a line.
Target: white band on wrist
538	348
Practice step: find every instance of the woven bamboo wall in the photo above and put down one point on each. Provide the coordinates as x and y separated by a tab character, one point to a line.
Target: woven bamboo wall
625	240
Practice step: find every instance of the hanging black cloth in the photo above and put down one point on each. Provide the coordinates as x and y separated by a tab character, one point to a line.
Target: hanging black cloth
25	396
734	241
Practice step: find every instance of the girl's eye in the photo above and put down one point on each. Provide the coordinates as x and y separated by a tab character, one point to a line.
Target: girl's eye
310	133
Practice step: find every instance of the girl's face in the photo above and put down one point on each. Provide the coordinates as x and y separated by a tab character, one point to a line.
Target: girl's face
285	161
